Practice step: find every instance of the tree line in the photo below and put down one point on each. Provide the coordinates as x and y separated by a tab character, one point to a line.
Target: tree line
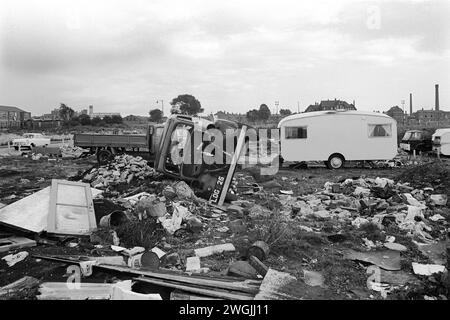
189	105
67	114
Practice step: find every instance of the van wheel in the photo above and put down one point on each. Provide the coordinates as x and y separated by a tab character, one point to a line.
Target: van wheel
104	156
335	161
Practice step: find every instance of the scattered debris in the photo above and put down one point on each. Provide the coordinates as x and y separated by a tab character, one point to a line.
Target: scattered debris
427	269
313	278
193	264
209	251
12	259
385	259
74	291
242	269
260	250
122	291
13	243
14	289
395	246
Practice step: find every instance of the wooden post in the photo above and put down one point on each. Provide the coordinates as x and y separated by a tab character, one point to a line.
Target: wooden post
223	183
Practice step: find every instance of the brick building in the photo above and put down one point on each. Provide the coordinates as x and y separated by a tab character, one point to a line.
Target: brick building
13	117
330	105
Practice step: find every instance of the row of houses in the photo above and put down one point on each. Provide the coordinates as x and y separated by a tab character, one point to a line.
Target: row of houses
13	117
422	117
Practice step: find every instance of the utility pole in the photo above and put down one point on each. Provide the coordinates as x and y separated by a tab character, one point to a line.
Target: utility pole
277	103
403	107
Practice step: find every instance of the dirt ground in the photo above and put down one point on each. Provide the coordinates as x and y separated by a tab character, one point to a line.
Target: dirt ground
292	249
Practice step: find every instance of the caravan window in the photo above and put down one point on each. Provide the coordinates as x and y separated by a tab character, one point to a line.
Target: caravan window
380	130
296	133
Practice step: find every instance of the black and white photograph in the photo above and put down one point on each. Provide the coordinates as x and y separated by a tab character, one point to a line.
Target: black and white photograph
224	156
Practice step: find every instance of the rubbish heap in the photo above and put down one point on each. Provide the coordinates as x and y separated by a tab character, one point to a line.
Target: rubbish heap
380	201
122	170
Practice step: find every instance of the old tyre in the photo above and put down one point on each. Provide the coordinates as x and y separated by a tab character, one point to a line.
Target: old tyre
335	161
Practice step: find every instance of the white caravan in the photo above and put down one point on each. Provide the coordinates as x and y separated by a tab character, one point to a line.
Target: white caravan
338	136
441	141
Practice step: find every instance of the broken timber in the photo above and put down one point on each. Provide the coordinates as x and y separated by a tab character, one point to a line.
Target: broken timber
213	292
74	291
223	183
25	283
246	286
241	290
12	243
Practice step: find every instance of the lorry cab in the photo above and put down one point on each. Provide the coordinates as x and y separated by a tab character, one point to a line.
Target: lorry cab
178	149
416	140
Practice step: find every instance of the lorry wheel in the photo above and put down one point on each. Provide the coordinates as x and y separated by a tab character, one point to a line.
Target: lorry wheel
335	161
104	156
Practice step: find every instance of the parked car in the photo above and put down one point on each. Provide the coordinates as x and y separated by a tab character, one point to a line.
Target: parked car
416	140
30	140
338	136
441	141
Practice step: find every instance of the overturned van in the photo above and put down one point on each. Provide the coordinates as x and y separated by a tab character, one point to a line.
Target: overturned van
338	136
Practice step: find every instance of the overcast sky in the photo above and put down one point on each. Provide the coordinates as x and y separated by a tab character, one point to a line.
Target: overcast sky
123	56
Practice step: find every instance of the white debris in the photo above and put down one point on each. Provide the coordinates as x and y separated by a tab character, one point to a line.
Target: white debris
12	259
427	269
439	199
436	217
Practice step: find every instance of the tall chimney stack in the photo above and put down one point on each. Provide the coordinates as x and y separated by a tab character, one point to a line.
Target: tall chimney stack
410	104
436	97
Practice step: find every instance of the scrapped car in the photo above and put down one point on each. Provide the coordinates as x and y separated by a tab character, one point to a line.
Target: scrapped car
30	140
416	140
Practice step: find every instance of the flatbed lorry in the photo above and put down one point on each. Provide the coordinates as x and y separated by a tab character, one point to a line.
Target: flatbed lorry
106	146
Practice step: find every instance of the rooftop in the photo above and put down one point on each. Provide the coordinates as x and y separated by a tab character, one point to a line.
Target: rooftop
11	109
332	112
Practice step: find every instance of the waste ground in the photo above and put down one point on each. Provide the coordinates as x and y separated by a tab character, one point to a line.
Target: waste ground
310	218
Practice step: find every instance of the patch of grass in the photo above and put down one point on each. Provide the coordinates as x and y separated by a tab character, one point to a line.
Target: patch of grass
146	233
371	232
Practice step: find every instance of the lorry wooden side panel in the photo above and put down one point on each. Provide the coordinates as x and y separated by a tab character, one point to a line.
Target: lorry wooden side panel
119	141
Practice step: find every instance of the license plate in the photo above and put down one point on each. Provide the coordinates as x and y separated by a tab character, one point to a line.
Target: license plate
405	146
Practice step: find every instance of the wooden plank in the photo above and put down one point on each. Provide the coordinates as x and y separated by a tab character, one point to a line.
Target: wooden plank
278	286
183	295
220	191
12	243
74	291
247	286
258	265
16	287
203	291
71	208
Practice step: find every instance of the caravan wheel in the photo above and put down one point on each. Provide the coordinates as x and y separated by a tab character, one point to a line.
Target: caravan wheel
335	161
